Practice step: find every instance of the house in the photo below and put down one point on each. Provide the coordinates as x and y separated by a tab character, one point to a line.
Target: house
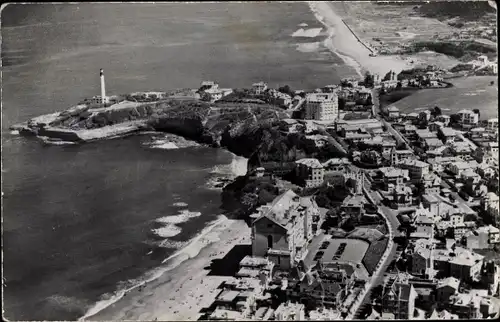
288	311
421	256
290	125
310	171
402	196
328	283
423	222
458	262
482	238
408	130
393	177
492	125
461	148
431	143
447	134
423	134
468	117
322	106
435	126
283	229
393	113
353	206
445	289
445	119
259	88
398	156
336	164
457	168
485	171
416	168
439	164
466	306
319	140
399	299
466	265
443	315
432	183
490	203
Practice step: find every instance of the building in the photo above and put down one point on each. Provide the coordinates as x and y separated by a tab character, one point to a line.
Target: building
398	156
466	265
432	183
393	113
290	126
447	134
435	126
492	125
322	106
318	139
259	88
482	238
393	177
337	164
445	289
417	169
432	143
402	196
468	117
290	312
423	222
399	299
466	306
457	168
283	229
421	257
445	119
310	171
490	203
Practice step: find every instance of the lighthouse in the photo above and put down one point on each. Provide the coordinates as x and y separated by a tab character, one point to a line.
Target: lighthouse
104	98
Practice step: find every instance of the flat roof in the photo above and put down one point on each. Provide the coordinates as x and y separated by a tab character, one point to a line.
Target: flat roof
354	250
227	295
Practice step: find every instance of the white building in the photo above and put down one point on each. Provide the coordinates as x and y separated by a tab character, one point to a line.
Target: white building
492	124
468	117
322	106
417	169
311	171
290	312
259	88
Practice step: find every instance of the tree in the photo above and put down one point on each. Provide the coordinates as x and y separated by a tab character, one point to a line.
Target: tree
387	76
436	111
477	112
286	90
369	80
455	118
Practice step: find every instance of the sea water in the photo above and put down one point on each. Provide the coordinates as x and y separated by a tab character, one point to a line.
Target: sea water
84	222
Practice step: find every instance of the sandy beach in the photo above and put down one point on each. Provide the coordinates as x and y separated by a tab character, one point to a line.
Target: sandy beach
179	294
344	43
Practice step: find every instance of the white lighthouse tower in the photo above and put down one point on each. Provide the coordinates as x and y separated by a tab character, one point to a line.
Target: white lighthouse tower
104	98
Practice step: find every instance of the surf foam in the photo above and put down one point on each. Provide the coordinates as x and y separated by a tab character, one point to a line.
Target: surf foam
237	167
192	249
307	33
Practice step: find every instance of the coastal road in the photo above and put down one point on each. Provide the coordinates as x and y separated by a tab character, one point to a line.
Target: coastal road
386	259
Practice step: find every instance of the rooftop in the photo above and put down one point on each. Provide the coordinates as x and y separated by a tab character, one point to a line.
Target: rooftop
310	162
415	163
449	281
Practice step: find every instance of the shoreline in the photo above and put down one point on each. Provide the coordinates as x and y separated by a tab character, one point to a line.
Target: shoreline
153	299
345	44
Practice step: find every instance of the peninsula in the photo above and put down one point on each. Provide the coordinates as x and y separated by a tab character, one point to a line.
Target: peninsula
351	206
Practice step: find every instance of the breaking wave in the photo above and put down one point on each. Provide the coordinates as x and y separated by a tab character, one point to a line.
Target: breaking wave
189	250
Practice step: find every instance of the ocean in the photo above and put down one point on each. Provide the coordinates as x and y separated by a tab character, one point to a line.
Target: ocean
82	222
